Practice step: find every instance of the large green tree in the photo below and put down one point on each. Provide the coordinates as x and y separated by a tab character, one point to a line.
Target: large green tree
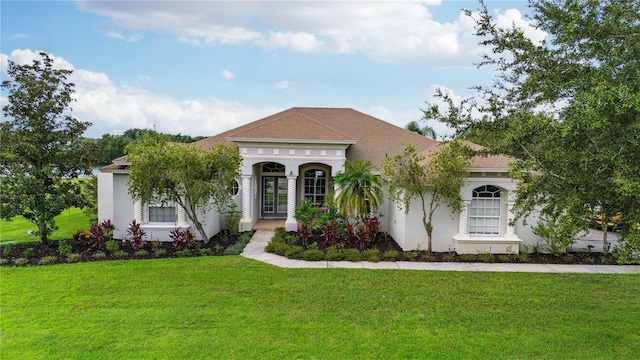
41	149
358	191
435	182
568	108
195	179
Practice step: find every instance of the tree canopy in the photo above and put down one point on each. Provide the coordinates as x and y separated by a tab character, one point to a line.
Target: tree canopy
567	108
41	147
436	182
194	179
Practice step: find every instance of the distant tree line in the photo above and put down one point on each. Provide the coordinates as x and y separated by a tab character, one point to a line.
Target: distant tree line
110	147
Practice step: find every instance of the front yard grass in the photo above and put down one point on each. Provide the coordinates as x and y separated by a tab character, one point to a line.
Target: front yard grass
232	307
15	231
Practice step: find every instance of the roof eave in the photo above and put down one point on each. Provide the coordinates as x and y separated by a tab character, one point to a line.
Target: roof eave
292	141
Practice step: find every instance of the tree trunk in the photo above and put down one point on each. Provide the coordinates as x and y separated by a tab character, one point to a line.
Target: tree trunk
42	232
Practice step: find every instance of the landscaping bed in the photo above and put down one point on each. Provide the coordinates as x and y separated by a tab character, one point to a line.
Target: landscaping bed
382	247
82	249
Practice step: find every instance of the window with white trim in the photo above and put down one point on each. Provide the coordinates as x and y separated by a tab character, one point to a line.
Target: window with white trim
315	186
235	187
161	214
484	211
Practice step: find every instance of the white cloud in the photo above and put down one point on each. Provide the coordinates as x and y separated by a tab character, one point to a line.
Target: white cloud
18	36
399	31
281	85
114	109
227	74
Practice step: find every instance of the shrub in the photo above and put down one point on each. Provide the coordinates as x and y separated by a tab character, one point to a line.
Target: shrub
99	256
48	260
333	254
235	249
101	233
349	232
64	248
313	246
293	252
371	255
390	255
6	251
280	232
468	257
352	255
112	245
206	252
246	237
160	252
449	257
20	262
232	219
290	239
557	233
486	258
81	238
410	255
141	253
313	255
329	230
182	239
277	248
28	253
504	258
184	253
120	254
136	235
628	250
73	258
4	262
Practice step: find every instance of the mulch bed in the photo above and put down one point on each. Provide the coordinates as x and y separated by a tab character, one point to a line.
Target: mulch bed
221	241
217	245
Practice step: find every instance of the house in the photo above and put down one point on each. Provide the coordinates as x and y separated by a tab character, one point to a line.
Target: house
292	155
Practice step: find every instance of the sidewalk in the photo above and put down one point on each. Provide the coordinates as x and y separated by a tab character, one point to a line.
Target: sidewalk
255	250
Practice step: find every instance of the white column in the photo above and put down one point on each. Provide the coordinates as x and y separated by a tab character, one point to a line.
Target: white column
245	221
137	211
291	224
463	227
511	227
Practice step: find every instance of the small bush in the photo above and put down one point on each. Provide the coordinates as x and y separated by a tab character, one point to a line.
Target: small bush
206	252
232	219
99	256
313	255
6	251
523	257
120	254
293	252
160	252
64	249
390	255
28	253
504	258
486	258
352	255
449	257
290	239
112	245
184	253
20	262
468	257
73	258
372	255
333	254
4	262
136	235
313	246
410	255
280	232
235	249
48	260
277	248
141	253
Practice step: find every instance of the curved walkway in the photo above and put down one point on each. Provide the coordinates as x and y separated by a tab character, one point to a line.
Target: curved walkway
255	250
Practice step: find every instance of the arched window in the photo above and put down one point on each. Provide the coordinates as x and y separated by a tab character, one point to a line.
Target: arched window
484	211
315	186
235	187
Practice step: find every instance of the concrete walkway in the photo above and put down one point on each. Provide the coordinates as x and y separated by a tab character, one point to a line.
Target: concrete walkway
255	250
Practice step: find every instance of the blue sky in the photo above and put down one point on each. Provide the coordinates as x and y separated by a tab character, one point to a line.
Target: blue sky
203	67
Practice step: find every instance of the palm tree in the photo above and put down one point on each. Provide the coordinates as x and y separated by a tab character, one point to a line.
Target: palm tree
358	191
426	130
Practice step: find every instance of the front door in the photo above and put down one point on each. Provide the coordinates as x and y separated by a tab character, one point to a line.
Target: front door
274	197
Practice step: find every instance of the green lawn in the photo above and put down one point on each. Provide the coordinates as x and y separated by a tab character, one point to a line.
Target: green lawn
16	230
232	307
